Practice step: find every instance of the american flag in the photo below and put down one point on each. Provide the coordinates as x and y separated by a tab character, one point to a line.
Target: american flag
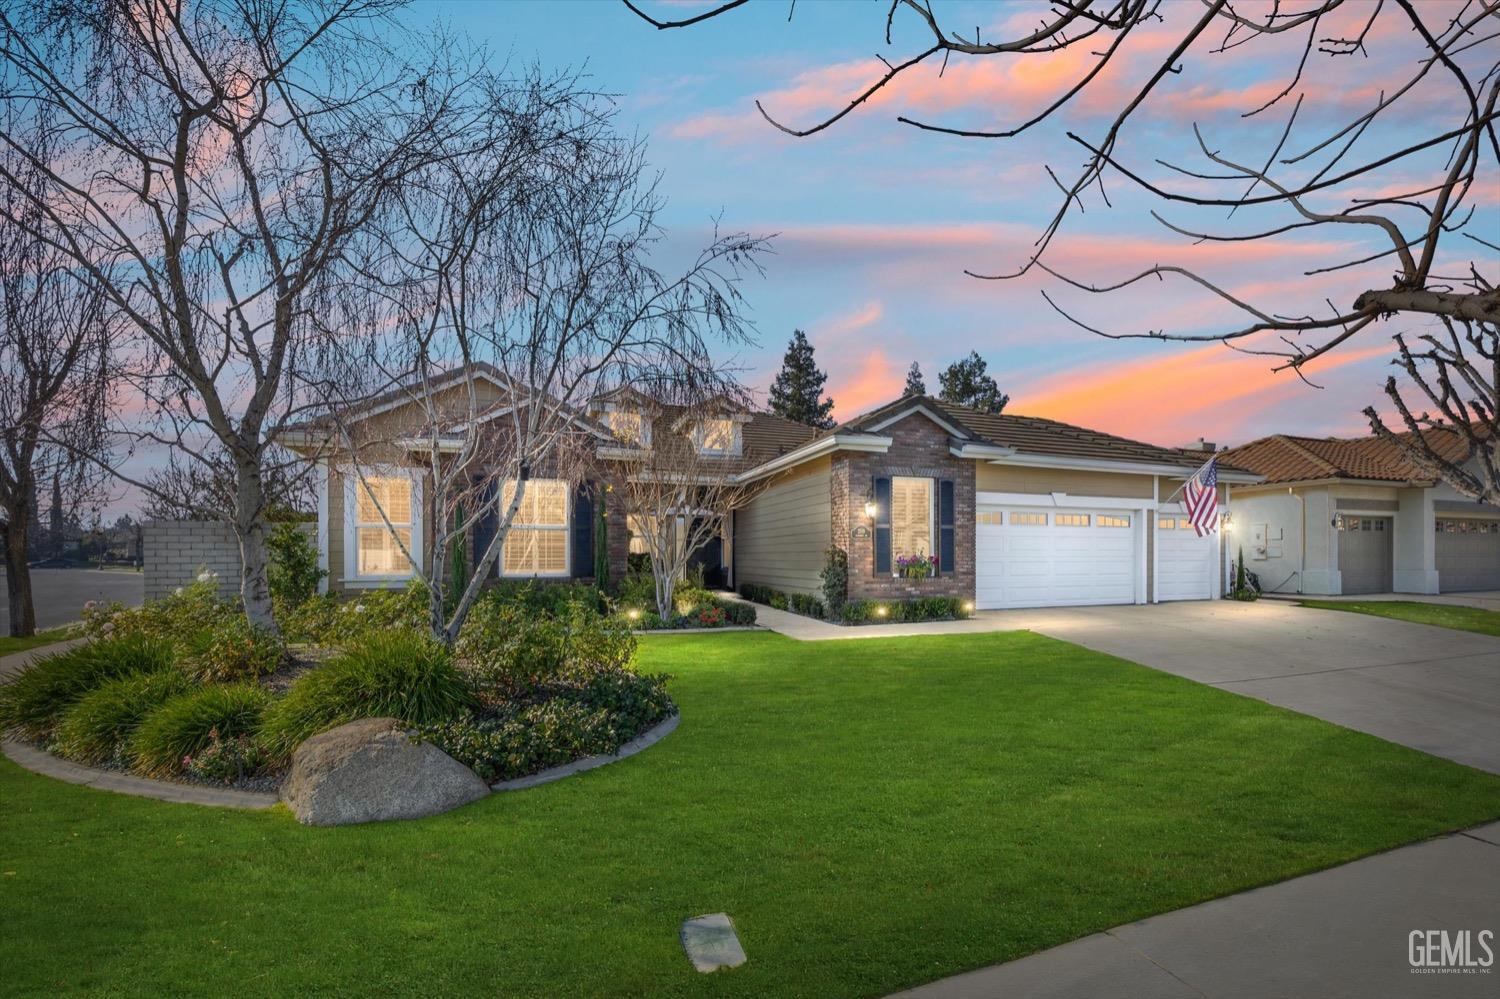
1200	497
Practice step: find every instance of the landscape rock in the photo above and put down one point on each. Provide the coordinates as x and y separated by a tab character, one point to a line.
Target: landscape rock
711	943
369	771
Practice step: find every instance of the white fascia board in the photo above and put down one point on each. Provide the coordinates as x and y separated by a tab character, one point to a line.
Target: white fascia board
1107	465
1260	483
411	391
445	446
982	452
925	411
838	442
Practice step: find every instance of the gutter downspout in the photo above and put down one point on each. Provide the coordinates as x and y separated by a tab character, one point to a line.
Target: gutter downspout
1302	554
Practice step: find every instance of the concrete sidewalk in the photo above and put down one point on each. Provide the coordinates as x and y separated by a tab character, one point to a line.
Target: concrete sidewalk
1343	932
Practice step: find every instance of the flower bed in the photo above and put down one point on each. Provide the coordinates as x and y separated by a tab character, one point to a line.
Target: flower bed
184	689
861	611
696	607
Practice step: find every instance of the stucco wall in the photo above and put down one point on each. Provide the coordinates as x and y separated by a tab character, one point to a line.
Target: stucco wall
780	537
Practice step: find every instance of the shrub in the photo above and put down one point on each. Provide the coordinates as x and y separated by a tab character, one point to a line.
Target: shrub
388	674
778	600
737	612
592	717
316	620
97	726
184	726
547	598
918	609
506	649
226	760
709	617
835	580
36	699
184	613
293	573
231	649
803	603
689	598
403	610
636	591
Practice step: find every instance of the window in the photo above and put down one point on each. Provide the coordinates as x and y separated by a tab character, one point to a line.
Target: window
990	518
377	549
718	437
635	529
1029	519
1071	520
1166	523
629	428
911	517
1183	524
1112	520
537	544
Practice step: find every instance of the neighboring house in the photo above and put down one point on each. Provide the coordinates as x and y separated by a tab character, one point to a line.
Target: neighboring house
1342	516
1020	511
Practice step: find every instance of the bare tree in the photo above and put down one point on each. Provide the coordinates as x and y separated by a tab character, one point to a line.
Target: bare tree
226	153
681	487
515	284
55	376
1457	144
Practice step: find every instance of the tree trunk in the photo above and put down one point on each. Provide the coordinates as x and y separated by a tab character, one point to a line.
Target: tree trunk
18	576
250	526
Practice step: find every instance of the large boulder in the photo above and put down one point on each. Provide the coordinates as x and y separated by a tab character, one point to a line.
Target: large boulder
370	770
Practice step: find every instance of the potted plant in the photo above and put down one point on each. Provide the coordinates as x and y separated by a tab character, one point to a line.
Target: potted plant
917	566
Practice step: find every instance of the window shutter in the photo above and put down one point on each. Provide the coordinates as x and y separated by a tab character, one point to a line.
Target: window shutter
883	526
582	555
486	526
945	527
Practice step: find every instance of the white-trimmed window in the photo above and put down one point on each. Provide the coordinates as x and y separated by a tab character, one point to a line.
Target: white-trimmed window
911	517
718	436
628	427
1071	520
537	544
382	516
636	529
1029	519
1112	520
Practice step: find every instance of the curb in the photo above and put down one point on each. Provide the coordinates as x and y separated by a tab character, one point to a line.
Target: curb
645	740
41	762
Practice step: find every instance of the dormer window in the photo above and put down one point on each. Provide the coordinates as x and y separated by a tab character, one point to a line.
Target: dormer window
719	436
628	427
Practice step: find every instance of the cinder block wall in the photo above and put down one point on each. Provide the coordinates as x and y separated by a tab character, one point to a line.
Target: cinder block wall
176	551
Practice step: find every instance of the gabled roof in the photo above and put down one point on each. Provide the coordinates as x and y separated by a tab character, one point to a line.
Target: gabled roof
1283	458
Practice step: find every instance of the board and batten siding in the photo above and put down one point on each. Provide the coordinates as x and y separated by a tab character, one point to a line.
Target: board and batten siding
780	537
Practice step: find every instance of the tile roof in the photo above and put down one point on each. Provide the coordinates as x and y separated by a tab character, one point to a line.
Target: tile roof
1285	458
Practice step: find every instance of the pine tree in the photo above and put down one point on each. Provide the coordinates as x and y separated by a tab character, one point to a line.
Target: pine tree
914	383
965	383
797	392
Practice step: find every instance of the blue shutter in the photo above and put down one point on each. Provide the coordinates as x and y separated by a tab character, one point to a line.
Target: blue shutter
883	526
486	525
582	554
945	527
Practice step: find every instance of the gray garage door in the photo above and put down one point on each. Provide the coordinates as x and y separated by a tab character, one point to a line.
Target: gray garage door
1468	553
1365	554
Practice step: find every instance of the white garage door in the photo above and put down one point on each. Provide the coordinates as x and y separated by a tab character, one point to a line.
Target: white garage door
1054	558
1184	561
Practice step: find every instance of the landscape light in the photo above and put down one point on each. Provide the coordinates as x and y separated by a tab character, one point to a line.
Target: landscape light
633	614
880	611
968	606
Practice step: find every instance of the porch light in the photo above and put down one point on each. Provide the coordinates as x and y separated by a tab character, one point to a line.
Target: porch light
1227	520
871	509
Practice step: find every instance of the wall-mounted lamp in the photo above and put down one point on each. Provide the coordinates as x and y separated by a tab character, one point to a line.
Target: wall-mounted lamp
1337	522
1227	521
871	509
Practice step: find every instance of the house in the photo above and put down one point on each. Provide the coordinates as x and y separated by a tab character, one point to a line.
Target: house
1354	515
1019	511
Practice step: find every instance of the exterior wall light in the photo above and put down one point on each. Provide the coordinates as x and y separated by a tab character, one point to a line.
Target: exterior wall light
871	509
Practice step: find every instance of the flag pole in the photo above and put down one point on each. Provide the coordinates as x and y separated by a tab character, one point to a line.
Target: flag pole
1190	478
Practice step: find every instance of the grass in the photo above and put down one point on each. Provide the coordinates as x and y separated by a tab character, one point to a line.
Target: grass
9	645
873	814
1485	622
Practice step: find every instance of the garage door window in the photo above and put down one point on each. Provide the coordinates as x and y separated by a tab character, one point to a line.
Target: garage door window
1029	519
1468	526
1071	520
1112	520
911	517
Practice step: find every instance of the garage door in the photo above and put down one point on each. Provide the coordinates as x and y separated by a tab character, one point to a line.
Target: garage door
1054	558
1184	561
1365	554
1468	553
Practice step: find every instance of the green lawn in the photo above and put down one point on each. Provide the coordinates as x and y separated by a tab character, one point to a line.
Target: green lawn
9	645
872	813
1485	622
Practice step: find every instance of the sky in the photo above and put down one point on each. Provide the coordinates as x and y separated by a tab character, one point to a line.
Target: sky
874	223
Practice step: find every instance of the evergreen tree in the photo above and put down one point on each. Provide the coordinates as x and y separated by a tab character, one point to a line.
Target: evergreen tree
797	392
914	383
965	383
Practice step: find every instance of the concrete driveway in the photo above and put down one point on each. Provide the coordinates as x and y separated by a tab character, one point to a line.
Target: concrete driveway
59	594
1434	689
